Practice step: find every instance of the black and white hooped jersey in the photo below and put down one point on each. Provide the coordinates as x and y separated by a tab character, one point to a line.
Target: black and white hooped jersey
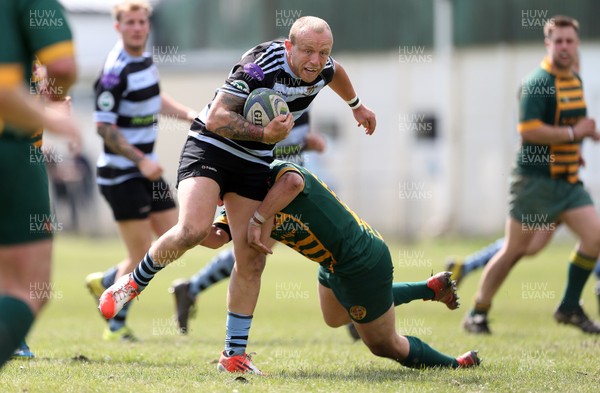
265	65
128	96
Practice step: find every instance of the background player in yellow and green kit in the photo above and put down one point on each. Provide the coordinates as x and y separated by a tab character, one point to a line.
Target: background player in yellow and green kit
356	270
30	29
545	187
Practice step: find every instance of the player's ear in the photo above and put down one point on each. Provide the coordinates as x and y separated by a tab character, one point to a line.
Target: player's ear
288	45
117	26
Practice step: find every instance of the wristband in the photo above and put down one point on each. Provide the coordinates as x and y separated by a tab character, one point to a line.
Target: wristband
354	103
257	218
254	222
571	133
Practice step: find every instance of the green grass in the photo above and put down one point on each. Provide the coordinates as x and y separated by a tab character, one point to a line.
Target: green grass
528	351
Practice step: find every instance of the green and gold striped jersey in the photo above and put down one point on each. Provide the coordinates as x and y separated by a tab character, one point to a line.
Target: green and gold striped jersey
318	225
324	229
31	30
555	99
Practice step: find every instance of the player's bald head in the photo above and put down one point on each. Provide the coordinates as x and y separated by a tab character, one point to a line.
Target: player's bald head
308	23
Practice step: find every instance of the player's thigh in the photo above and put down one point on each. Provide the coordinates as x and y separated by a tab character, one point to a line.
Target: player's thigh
198	198
271	243
540	240
239	210
585	223
379	332
365	292
25	272
518	238
334	314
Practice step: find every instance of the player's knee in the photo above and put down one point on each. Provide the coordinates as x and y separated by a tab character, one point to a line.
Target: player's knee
591	241
189	236
333	323
250	261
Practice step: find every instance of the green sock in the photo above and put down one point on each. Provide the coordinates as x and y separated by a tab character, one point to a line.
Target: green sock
406	292
580	268
422	355
15	320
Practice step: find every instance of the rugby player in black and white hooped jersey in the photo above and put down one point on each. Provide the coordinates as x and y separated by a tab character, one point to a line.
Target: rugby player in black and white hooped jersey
227	157
128	102
301	139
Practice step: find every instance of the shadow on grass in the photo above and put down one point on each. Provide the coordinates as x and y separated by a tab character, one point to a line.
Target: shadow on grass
109	361
381	375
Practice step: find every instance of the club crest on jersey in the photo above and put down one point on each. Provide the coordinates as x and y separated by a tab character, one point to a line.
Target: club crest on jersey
358	312
106	101
254	71
109	80
310	90
241	85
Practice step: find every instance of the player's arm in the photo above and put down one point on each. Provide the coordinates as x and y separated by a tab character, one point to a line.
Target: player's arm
224	119
28	115
533	108
342	85
216	238
220	232
116	142
18	109
170	107
286	188
63	74
534	131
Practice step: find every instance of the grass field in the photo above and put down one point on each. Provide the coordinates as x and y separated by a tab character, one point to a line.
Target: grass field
528	351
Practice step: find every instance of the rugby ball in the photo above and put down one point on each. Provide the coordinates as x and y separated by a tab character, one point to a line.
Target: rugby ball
263	105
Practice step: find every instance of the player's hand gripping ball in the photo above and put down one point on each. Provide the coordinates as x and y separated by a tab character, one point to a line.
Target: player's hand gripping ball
263	105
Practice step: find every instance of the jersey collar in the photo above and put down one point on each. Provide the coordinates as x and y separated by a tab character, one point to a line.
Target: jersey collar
547	66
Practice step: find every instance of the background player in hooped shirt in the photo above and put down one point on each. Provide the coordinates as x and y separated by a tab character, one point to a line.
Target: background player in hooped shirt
128	102
227	157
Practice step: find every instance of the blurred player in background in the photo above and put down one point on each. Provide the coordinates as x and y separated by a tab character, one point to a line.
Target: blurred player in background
227	157
545	187
26	226
128	102
462	267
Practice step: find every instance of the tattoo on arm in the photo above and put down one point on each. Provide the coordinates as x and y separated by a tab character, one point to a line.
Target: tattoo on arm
233	103
236	126
241	129
117	143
